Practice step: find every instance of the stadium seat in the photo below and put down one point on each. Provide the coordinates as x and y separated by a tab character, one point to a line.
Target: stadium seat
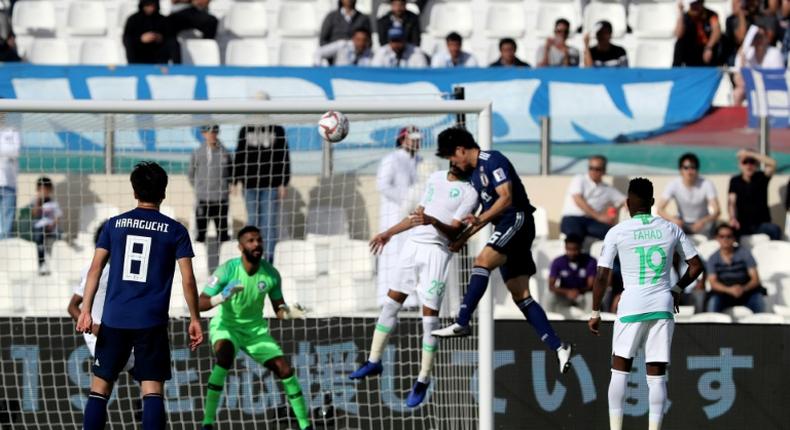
228	250
772	258
246	19
365	6
49	51
762	318
167	211
612	12
710	317
68	260
505	20
200	262
86	18
751	240
654	53
723	9
549	11
101	51
297	52
200	52
738	312
596	248
178	305
298	18
92	215
351	285
708	248
446	16
698	239
247	52
296	262
541	223
18	267
34	18
326	220
653	19
323	243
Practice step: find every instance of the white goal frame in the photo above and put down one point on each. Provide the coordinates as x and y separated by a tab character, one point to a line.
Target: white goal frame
482	109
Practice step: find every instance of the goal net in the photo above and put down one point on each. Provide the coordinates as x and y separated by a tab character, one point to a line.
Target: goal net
319	226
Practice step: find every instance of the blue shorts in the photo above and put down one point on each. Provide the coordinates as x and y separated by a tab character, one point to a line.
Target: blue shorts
151	353
513	236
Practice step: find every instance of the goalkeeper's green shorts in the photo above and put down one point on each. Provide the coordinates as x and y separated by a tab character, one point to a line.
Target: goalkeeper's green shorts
254	340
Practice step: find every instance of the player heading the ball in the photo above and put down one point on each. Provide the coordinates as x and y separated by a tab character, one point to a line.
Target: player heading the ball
142	246
506	205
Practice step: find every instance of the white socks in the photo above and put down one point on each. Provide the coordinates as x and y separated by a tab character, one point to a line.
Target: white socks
617	387
657	388
429	342
388	318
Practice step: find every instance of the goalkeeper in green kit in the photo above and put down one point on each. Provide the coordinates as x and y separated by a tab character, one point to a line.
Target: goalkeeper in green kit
239	287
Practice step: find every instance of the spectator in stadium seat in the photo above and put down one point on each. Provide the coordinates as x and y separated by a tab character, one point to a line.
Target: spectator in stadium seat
698	33
693	196
732	275
591	205
193	17
507	55
453	56
745	14
399	16
210	173
45	213
263	166
354	52
146	36
10	143
556	52
341	23
748	196
570	277
604	53
398	53
760	54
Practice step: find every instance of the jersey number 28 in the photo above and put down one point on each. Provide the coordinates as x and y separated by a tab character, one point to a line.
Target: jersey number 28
138	249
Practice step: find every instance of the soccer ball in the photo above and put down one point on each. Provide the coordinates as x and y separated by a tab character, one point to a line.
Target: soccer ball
333	126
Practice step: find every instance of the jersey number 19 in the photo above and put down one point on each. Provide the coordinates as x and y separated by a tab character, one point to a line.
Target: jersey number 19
646	261
138	249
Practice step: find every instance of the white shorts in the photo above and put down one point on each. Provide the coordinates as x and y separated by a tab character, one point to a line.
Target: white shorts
423	267
655	336
90	342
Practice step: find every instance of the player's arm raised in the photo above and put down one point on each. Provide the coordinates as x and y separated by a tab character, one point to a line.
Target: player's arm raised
84	321
381	239
191	296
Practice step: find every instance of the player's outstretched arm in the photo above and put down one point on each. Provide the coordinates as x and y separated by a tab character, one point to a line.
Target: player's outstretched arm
84	321
601	282
191	296
380	240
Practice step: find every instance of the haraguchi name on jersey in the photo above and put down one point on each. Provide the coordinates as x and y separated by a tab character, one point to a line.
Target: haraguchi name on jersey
141	224
647	234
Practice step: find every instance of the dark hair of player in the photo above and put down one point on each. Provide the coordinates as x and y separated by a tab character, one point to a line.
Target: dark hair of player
452	138
98	231
640	195
247	229
507	41
688	157
149	181
454	37
573	238
44	182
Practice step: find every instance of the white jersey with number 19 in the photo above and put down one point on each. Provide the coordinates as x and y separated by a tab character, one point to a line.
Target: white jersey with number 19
646	245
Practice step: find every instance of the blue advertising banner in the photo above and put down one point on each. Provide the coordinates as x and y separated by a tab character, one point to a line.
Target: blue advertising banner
586	105
768	95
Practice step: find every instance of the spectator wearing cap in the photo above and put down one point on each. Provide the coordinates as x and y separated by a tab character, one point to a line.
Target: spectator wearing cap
698	33
354	52
556	52
341	23
147	38
263	166
396	174
748	196
507	55
194	16
399	53
694	198
210	170
604	53
453	56
399	16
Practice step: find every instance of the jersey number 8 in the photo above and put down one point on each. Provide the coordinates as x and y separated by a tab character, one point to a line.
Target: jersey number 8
138	248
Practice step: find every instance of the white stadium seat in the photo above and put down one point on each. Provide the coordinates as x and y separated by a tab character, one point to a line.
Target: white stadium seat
505	20
751	240
738	312
297	52
351	285
200	52
200	262
228	250
92	215
762	318
710	317
772	262
541	223
612	12
708	248
298	18
36	17
654	53
101	51
246	19
596	248
297	264
18	266
68	261
49	51
86	18
549	11
446	17
247	52
653	20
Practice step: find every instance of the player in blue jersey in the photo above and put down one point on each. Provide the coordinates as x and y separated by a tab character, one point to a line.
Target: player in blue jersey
506	205
142	247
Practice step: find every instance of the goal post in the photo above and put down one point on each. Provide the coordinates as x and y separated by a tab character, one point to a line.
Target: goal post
109	125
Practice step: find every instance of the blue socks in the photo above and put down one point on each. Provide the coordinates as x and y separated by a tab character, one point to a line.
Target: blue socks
153	412
95	412
537	317
478	283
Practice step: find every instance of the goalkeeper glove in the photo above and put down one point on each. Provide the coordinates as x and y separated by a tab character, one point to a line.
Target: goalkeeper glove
295	312
232	288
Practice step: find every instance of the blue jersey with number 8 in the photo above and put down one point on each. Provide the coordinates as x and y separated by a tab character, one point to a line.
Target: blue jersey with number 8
144	246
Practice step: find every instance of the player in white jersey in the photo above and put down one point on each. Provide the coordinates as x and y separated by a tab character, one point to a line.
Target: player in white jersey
98	305
646	246
423	269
